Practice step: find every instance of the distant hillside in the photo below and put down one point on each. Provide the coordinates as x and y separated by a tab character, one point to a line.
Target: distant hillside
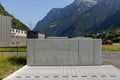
111	34
109	29
80	17
110	23
15	22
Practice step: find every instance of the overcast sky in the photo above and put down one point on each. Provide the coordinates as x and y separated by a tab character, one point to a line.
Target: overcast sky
31	11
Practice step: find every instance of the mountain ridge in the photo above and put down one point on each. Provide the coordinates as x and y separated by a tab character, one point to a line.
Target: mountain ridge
75	19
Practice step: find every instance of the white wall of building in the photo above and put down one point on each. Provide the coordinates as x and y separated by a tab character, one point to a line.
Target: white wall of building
11	36
5	30
18	37
41	36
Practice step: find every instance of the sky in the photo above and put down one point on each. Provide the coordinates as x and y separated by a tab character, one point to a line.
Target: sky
31	11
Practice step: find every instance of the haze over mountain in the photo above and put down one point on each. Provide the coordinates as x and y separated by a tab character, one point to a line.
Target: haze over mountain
81	17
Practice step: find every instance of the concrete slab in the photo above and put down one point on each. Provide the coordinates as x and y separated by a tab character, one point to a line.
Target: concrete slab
105	72
64	52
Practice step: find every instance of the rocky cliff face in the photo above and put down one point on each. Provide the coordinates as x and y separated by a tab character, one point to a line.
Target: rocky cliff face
80	17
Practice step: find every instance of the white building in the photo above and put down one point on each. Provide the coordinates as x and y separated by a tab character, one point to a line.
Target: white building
5	33
41	36
11	36
35	35
18	37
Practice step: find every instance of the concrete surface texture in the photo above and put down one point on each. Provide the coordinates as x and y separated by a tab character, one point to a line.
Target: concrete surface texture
64	52
5	29
66	73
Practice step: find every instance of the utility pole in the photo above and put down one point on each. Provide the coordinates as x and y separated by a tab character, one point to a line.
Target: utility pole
17	48
17	41
30	24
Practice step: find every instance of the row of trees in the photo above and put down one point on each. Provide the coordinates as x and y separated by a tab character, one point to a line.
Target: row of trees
113	35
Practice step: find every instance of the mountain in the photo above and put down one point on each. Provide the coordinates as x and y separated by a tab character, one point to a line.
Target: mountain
109	29
110	23
80	17
15	22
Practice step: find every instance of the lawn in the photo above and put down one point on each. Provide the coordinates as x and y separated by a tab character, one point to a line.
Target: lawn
23	49
10	63
13	49
110	47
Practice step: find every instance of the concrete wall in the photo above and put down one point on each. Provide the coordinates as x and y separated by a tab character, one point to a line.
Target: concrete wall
75	51
5	31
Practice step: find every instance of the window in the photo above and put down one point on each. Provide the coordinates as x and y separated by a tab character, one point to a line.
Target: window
12	42
17	42
12	36
16	36
21	31
18	31
13	29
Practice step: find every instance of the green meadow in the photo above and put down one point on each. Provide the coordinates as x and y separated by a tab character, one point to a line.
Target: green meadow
110	47
10	62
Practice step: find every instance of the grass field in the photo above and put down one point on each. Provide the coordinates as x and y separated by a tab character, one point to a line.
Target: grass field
13	49
110	47
23	49
10	63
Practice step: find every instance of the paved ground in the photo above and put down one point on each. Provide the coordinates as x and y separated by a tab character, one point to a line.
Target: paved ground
111	58
66	73
105	72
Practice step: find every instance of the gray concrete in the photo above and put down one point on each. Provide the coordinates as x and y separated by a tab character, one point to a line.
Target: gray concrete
74	51
111	58
66	73
5	30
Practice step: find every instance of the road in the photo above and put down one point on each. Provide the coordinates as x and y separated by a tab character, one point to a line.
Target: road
111	58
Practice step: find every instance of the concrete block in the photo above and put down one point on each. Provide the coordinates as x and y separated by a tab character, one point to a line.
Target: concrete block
63	52
55	52
85	52
30	52
97	52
